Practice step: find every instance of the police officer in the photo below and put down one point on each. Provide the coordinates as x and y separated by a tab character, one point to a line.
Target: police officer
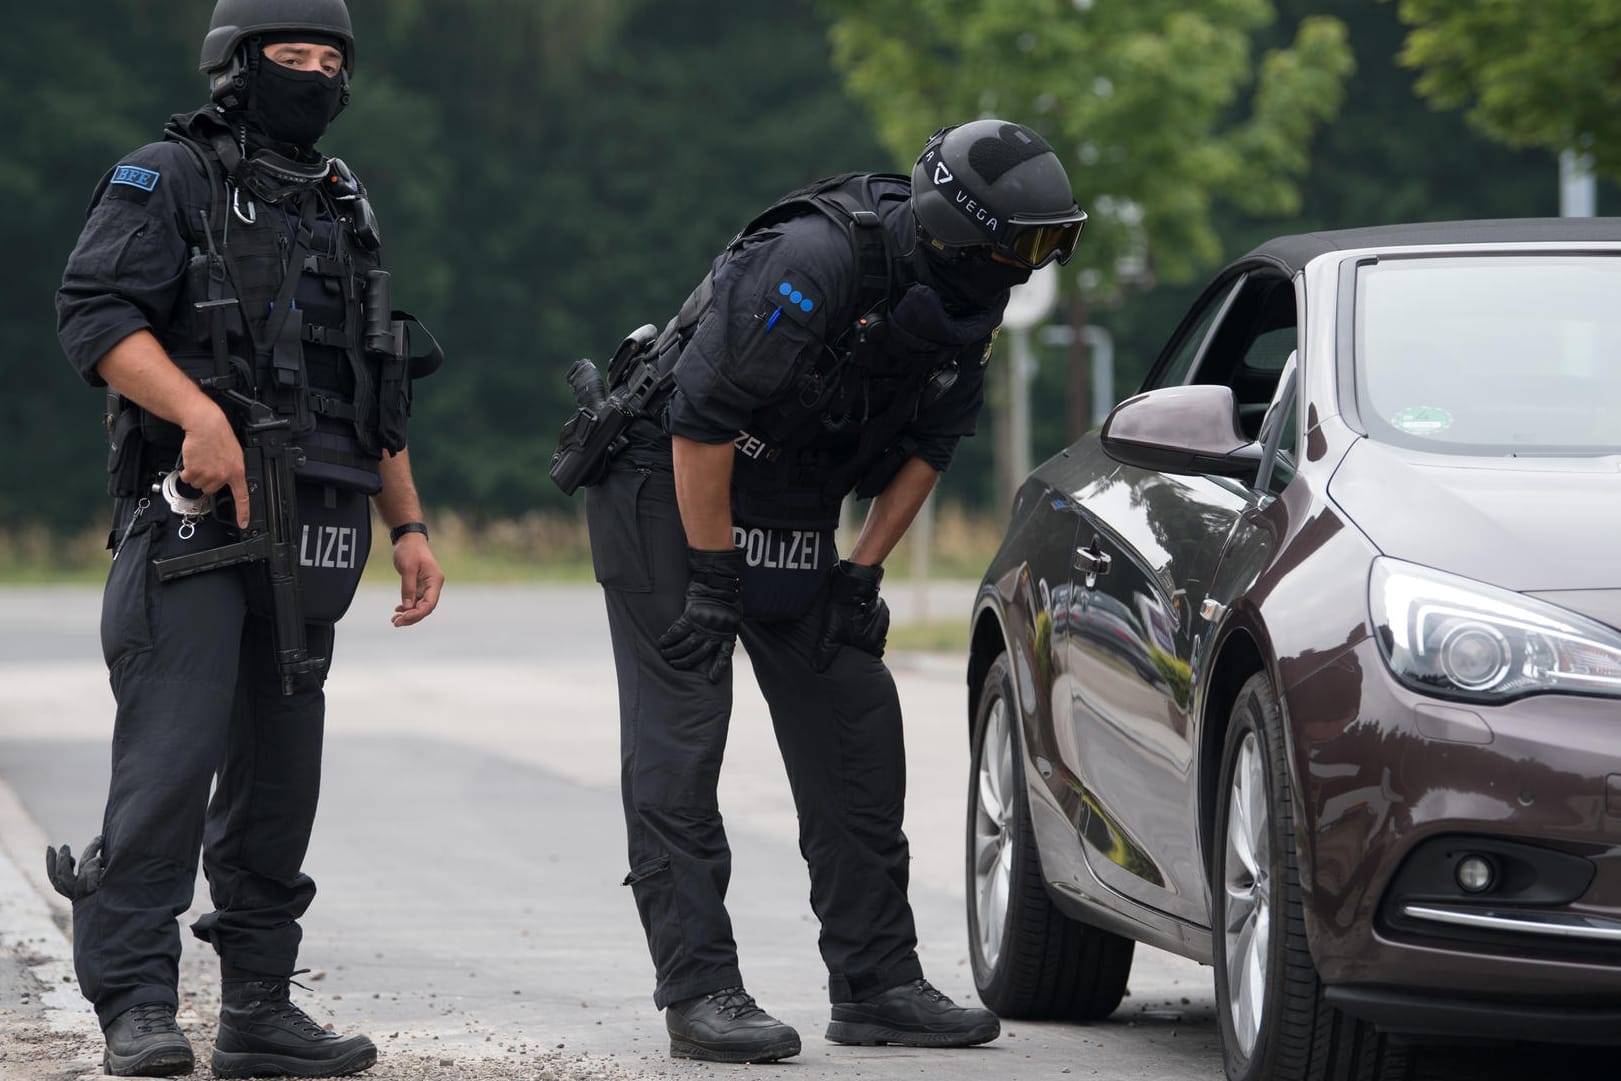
228	289
839	343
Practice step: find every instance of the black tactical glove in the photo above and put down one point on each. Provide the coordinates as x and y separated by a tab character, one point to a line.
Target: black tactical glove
74	885
706	632
855	615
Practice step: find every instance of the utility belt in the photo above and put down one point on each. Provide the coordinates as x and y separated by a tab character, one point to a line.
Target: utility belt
140	442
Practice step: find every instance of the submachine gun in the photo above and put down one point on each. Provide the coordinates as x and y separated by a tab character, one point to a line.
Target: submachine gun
596	432
271	537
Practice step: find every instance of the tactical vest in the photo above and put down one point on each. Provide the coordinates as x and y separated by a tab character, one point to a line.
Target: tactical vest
279	312
839	428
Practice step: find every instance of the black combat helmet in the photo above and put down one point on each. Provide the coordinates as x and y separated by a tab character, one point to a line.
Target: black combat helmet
991	184
235	21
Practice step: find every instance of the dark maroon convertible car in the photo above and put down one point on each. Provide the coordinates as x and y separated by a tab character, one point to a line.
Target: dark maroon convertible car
1307	665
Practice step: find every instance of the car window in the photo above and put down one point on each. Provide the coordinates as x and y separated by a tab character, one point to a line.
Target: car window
1491	354
1250	345
1172	371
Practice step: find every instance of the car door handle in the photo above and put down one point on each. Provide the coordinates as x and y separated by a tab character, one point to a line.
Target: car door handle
1092	560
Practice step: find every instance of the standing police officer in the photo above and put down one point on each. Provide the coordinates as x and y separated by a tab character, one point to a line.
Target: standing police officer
839	343
228	288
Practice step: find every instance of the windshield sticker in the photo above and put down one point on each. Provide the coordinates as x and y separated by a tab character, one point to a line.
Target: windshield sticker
1422	420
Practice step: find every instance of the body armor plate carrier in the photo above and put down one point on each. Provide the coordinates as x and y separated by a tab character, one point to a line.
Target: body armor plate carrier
302	324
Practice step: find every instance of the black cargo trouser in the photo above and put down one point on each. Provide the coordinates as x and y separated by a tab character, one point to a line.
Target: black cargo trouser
840	736
198	693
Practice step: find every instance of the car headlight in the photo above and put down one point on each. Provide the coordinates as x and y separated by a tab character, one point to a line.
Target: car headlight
1458	638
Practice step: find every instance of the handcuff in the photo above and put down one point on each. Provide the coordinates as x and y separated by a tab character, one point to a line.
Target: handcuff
191	509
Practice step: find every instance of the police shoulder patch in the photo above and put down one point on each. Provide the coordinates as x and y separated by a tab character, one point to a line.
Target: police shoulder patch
136	177
131	184
792	295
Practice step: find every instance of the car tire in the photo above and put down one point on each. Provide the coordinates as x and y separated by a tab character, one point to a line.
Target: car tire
1031	961
1269	1002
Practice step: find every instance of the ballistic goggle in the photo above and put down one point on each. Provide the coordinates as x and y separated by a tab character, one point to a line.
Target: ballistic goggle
1037	243
1030	242
272	177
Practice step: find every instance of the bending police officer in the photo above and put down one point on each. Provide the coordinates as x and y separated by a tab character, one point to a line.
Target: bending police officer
228	288
838	344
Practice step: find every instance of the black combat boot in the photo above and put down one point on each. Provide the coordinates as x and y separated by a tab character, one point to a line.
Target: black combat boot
914	1015
727	1026
262	1034
144	1041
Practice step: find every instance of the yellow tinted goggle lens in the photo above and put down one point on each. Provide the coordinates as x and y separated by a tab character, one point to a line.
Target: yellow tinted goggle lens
1036	244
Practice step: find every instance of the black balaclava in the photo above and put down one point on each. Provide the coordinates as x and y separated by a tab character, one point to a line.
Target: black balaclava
974	281
294	107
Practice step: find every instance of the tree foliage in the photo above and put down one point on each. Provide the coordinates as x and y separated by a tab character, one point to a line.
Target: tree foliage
1158	107
551	174
548	174
1545	74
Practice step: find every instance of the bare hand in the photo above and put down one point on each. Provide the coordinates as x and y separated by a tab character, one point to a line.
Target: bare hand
212	459
420	580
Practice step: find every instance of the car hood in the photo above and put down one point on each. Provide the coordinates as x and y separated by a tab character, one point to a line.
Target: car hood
1534	525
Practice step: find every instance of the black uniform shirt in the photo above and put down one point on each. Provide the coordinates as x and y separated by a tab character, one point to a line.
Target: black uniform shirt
781	297
128	268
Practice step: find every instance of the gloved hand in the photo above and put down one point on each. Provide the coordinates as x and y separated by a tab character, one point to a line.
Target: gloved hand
855	614
705	634
73	884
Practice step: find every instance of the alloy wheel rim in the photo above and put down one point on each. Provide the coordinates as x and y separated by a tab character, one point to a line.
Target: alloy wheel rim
1246	881
993	834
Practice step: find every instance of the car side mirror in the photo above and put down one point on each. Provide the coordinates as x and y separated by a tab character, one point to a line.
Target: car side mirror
1189	430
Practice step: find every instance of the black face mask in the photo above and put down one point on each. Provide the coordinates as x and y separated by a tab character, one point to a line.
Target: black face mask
973	282
921	324
294	106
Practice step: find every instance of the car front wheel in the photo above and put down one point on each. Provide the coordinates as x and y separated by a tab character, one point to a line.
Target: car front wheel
1030	960
1274	1023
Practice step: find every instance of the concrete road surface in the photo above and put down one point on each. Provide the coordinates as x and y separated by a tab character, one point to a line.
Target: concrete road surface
470	848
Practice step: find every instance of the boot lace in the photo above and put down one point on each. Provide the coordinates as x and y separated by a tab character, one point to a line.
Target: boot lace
298	1020
930	992
275	994
734	1002
152	1017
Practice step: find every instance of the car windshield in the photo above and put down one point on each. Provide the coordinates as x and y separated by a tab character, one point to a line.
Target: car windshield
1491	355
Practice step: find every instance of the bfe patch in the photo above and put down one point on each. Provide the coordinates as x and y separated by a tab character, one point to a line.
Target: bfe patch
131	183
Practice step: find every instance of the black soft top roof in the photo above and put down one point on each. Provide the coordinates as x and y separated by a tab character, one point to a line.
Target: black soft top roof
1294	252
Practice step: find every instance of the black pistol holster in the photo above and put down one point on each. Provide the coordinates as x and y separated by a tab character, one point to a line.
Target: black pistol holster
595	434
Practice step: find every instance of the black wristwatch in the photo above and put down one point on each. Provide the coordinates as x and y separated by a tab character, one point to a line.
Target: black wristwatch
401	530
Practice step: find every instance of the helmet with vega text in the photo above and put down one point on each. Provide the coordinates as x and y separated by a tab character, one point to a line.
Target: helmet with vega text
998	186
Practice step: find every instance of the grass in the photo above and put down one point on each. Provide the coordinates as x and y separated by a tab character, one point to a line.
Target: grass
539	547
536	548
930	636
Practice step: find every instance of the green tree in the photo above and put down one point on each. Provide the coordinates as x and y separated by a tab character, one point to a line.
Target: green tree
1544	74
548	175
78	89
1161	111
1376	164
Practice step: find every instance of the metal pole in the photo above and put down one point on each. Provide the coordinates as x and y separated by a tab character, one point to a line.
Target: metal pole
1021	369
922	548
1100	353
1028	305
1578	190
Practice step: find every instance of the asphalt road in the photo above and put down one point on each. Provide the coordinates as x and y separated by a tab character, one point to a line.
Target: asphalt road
470	843
470	847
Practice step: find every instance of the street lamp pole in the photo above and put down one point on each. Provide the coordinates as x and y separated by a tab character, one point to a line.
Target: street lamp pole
1029	305
1578	191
